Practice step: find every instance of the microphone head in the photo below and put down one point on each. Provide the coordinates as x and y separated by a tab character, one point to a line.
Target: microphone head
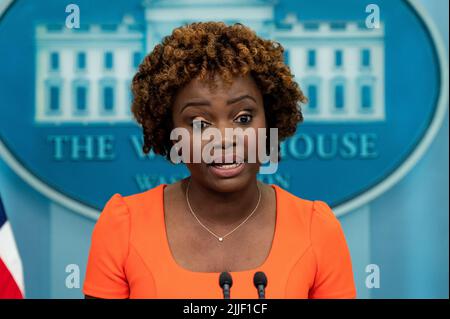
260	279
225	279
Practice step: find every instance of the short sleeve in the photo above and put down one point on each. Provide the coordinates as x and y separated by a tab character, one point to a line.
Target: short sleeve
334	274
105	273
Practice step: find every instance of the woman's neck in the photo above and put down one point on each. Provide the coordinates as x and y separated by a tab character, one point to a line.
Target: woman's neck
222	208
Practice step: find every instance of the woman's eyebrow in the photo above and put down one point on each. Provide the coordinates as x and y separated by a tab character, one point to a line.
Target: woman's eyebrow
207	103
240	98
196	103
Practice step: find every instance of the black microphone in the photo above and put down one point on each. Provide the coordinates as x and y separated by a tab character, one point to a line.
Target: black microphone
225	282
260	282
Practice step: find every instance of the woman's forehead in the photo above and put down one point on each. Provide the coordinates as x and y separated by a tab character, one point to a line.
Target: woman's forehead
198	89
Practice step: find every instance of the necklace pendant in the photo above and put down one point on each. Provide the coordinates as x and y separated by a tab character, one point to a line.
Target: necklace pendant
220	239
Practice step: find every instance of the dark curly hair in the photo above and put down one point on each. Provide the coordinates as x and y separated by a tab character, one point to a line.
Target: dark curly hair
201	50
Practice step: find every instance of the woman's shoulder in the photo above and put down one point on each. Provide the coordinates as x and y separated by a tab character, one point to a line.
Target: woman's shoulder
122	222
145	197
315	213
120	206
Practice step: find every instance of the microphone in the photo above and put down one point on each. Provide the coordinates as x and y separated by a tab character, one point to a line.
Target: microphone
260	282
225	282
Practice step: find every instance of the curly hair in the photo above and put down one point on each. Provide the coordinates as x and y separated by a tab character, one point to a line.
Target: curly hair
202	50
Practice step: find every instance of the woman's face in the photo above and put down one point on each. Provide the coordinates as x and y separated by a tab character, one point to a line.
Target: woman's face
237	106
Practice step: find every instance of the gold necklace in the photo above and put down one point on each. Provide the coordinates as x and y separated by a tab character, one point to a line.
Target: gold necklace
221	238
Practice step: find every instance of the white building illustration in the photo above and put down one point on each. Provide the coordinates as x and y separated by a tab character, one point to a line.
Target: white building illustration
83	76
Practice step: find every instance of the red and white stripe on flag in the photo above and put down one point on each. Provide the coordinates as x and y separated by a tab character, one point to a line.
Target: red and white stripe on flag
11	274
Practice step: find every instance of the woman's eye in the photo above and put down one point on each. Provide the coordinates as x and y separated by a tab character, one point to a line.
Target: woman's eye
199	124
244	119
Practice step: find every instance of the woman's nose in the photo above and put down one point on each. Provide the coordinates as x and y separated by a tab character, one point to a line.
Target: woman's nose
225	140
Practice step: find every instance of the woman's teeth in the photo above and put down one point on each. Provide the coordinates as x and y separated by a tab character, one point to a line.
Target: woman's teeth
227	166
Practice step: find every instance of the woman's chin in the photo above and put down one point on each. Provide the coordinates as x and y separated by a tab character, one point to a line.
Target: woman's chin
229	179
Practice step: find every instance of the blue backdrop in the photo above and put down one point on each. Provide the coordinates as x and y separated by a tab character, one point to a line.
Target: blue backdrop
404	230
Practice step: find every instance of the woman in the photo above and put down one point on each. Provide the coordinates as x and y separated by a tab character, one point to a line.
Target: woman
174	240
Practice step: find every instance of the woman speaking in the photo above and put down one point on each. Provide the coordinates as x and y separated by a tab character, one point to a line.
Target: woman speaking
175	240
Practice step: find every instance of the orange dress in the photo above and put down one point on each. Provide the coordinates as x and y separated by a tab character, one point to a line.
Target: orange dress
130	256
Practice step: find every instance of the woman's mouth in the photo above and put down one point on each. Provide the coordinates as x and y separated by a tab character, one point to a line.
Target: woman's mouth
226	169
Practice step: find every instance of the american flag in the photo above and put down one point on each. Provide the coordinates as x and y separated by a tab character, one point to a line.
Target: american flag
11	275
